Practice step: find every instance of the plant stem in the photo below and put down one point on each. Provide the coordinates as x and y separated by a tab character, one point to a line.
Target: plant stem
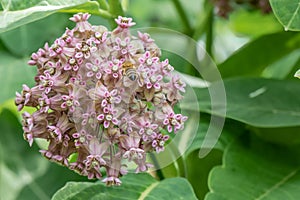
103	4
115	10
209	33
202	21
156	165
204	25
105	14
183	16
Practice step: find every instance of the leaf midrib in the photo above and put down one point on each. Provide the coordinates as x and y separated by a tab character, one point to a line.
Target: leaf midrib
148	190
293	17
284	180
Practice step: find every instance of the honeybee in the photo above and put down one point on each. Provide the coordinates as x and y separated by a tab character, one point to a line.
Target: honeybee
129	70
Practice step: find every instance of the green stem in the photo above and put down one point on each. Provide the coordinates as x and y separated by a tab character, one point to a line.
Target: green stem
105	14
183	16
103	4
202	21
115	9
209	33
156	165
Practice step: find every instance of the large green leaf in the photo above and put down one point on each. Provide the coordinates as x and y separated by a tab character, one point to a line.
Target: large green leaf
288	13
13	73
199	168
256	101
19	12
28	38
255	56
134	186
253	169
24	173
230	131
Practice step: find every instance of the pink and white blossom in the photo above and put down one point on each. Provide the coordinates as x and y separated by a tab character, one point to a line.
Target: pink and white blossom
103	96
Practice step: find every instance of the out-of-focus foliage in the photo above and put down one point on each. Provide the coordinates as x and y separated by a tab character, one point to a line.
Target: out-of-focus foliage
24	174
257	153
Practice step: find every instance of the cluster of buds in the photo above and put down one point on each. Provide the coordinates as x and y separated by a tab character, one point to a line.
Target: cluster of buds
224	7
102	98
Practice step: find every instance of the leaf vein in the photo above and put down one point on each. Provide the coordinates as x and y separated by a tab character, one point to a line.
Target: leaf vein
293	17
277	185
148	190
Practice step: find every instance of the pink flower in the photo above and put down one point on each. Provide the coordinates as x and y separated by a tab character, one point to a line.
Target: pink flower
159	142
145	37
62	125
94	161
148	60
94	69
103	96
174	87
107	117
28	97
124	47
124	22
82	24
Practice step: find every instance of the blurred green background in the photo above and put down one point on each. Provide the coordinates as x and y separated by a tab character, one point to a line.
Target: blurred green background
258	149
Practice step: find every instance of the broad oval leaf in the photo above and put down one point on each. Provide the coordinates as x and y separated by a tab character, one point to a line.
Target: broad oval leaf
198	170
134	186
256	101
255	56
23	41
20	12
288	13
253	169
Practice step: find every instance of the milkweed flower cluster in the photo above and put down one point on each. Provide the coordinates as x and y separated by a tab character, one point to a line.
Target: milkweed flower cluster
102	98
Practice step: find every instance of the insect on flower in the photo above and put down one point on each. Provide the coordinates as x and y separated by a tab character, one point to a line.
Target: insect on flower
92	100
129	71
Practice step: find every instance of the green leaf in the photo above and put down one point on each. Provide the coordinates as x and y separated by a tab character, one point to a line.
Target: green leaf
288	13
46	185
256	101
254	57
21	12
134	186
253	169
13	73
23	41
199	168
283	67
285	136
230	131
